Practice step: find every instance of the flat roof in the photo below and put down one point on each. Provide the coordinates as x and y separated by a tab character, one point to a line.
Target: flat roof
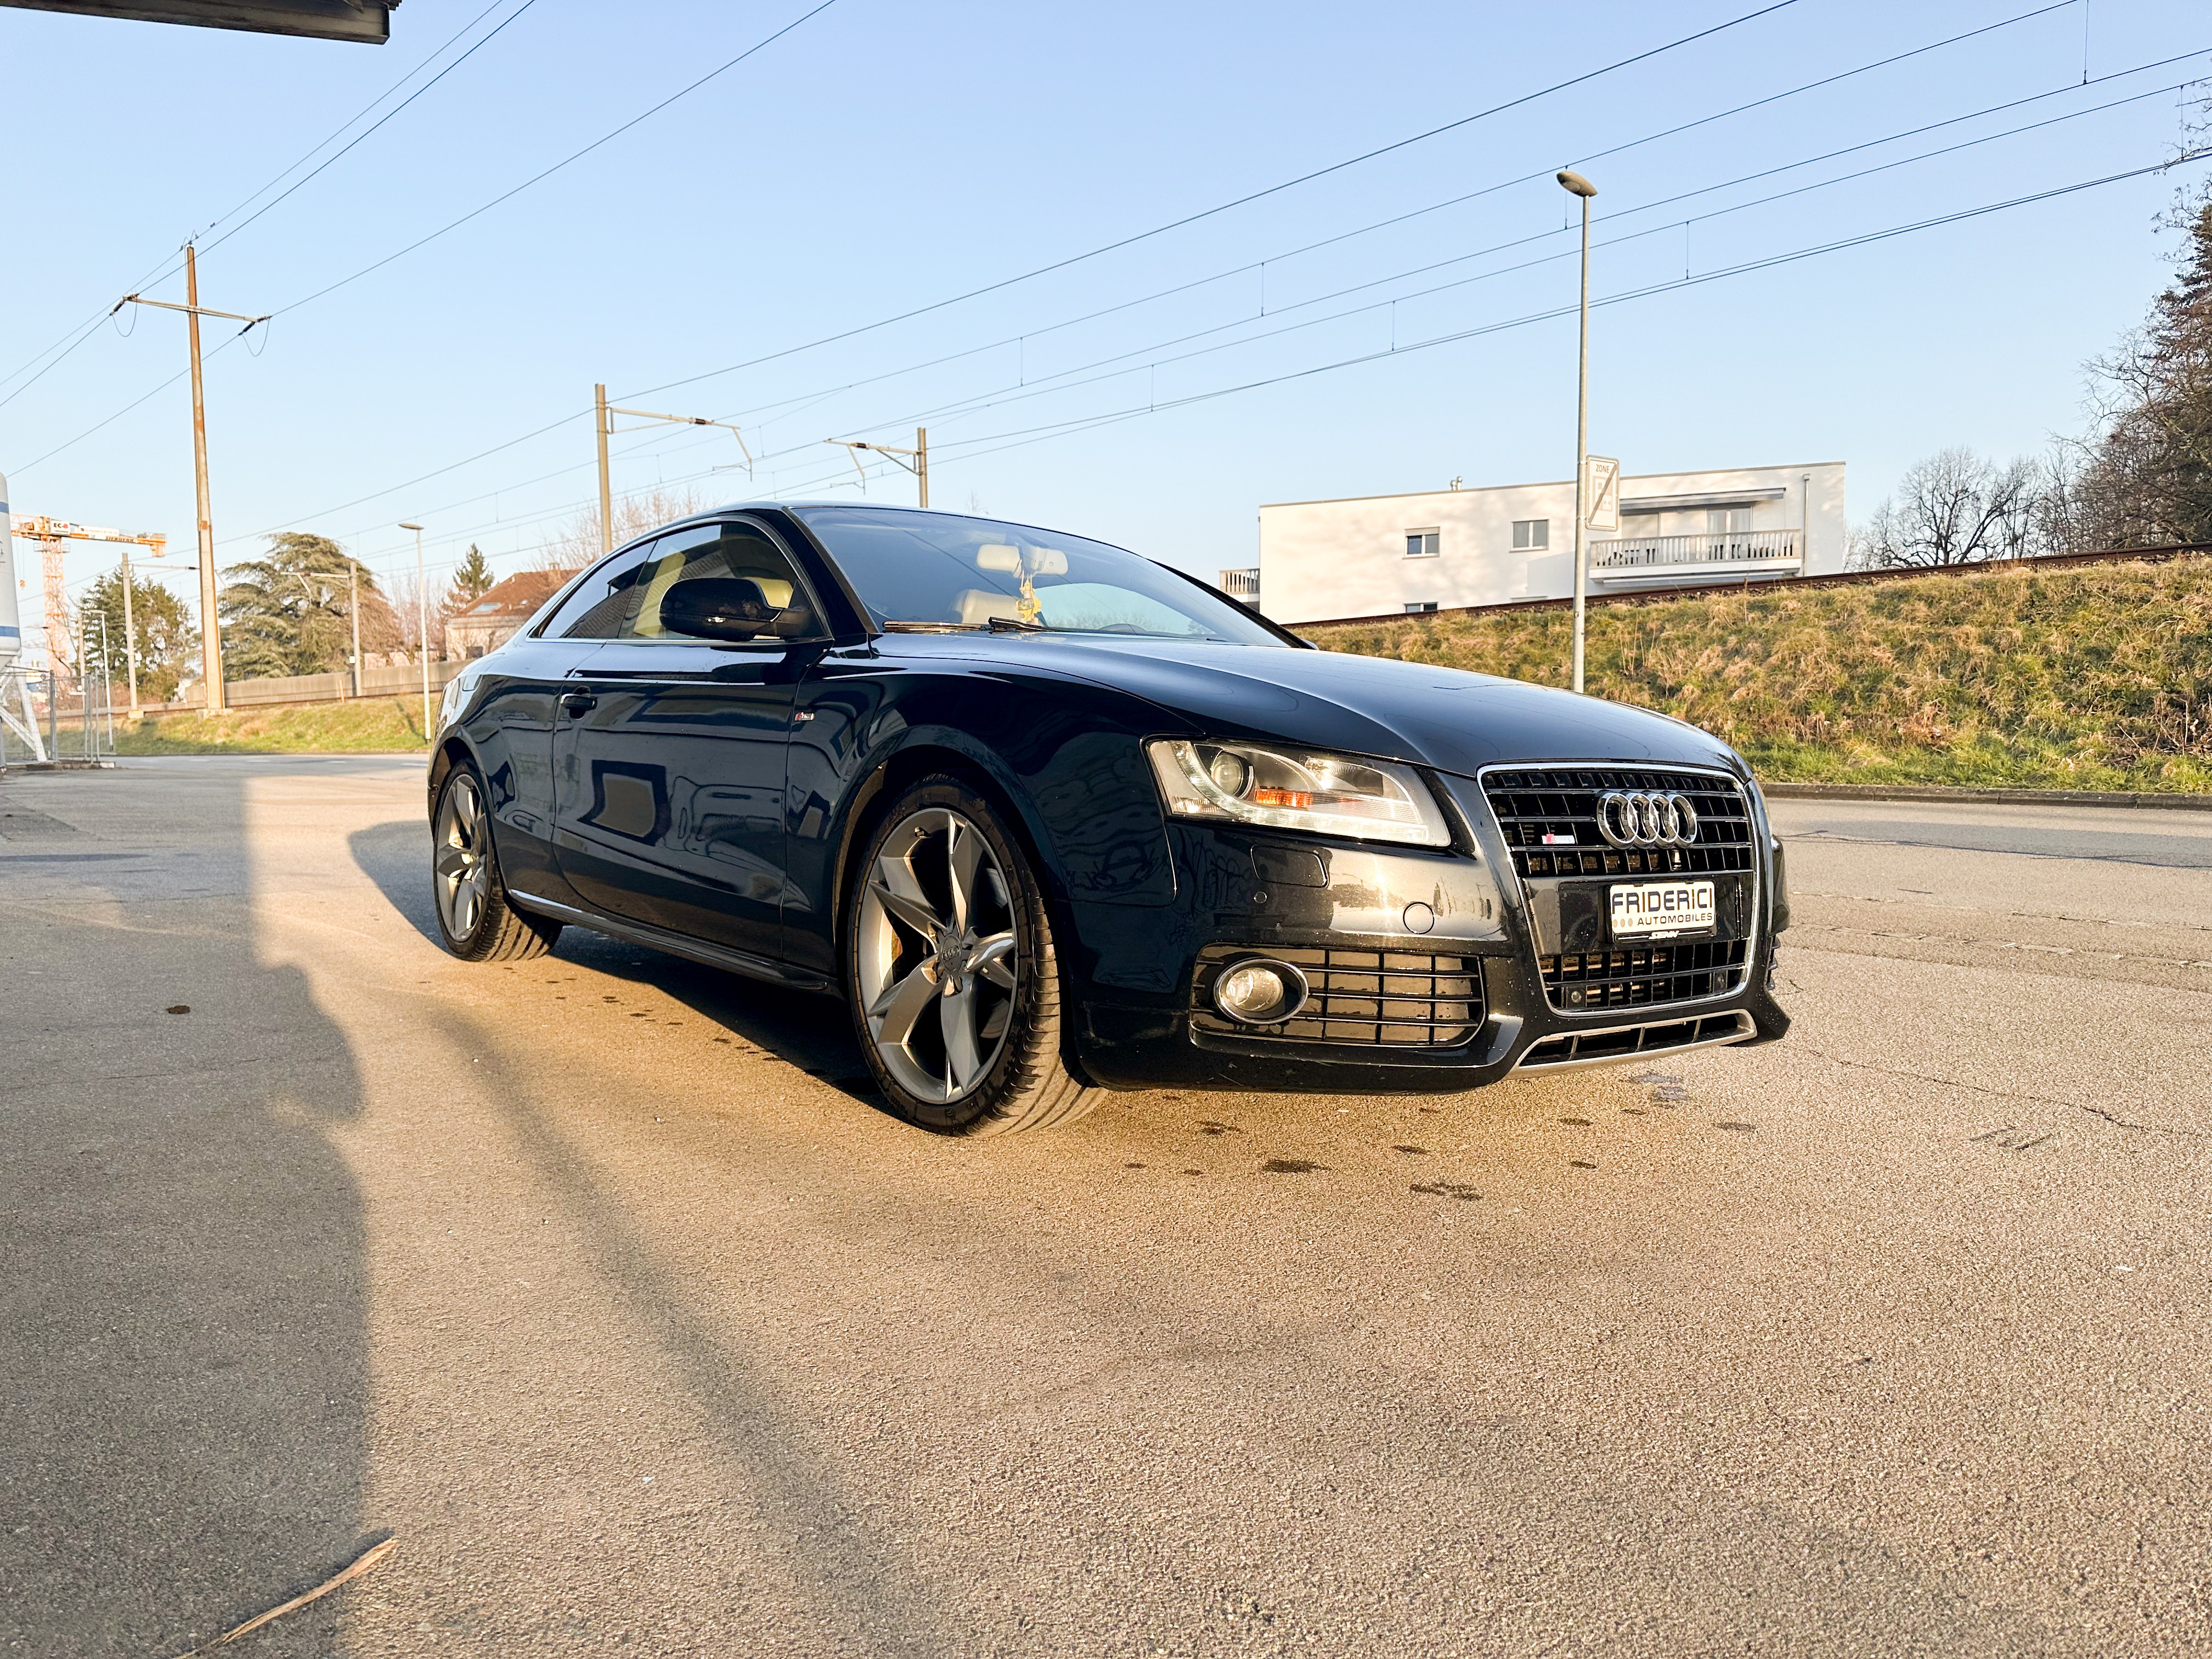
1547	483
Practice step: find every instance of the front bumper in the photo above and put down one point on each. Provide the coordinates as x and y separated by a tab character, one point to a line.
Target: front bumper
1142	1021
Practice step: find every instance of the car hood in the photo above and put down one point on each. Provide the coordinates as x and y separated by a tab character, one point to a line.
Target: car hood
1446	718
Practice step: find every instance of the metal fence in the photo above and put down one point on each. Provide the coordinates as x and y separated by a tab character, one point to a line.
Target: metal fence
44	716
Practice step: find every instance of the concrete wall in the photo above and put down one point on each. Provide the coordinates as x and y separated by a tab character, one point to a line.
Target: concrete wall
1320	560
318	688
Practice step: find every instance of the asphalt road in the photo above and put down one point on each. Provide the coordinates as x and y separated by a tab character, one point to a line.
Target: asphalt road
601	1285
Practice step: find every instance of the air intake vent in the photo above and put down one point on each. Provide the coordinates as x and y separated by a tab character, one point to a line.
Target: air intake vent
1388	999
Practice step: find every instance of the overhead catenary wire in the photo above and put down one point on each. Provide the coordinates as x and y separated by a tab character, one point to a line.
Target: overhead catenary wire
1241	201
1030	389
1672	285
168	265
1810	86
363	136
993	443
565	161
486	207
1543	173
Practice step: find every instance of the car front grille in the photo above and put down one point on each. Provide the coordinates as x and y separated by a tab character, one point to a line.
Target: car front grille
1549	816
1387	999
1645	976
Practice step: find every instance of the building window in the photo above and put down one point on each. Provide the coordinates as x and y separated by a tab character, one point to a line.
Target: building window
1531	535
1420	607
1727	521
1421	544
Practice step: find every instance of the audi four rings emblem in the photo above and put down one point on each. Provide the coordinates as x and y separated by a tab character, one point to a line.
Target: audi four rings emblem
1640	819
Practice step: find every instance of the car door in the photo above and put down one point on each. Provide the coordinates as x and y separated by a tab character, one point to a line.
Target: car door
511	720
670	760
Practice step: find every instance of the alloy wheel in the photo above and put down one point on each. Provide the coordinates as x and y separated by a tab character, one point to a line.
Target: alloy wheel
938	962
463	858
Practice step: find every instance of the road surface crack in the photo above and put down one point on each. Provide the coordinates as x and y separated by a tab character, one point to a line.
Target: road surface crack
2115	1120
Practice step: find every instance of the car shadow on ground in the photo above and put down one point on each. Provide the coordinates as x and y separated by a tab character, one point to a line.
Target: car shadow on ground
809	1033
813	1034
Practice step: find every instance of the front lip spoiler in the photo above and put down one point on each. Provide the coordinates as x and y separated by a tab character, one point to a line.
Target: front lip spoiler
1740	1027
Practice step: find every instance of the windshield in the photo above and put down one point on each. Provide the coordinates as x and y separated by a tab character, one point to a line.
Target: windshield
941	570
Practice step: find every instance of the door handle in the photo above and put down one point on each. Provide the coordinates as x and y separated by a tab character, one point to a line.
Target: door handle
574	703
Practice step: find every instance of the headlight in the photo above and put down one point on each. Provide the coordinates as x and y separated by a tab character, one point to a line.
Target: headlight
1290	788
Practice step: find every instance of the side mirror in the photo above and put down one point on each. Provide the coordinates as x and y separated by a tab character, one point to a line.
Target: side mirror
718	608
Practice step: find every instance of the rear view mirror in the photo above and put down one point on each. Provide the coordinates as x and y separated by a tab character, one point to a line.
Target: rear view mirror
999	557
718	608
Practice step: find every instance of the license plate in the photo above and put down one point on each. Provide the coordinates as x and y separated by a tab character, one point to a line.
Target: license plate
1662	910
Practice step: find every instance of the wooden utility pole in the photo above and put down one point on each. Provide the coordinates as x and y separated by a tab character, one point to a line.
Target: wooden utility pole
210	624
606	485
210	627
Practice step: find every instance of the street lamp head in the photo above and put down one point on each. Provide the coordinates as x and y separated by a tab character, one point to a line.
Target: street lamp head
1578	183
410	526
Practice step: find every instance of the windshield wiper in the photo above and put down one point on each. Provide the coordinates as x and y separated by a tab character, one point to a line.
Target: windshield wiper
1014	625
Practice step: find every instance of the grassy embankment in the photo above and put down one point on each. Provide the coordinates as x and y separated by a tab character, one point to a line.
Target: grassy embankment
2094	677
2098	677
324	728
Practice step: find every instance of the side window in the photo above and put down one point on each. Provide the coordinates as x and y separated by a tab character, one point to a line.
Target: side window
596	608
742	551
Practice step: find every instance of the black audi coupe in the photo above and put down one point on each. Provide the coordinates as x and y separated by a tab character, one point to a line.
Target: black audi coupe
1053	820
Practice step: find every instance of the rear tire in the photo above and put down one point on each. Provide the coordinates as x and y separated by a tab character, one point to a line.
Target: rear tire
475	920
951	971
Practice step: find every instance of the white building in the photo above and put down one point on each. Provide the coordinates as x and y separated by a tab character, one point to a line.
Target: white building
1372	555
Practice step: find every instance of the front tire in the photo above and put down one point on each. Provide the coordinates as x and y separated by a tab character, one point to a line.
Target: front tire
475	922
952	973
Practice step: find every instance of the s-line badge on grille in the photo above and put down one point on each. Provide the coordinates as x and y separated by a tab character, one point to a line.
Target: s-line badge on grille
1643	818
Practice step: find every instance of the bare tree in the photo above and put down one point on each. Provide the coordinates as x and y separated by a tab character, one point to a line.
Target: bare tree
407	592
2143	476
576	543
1957	508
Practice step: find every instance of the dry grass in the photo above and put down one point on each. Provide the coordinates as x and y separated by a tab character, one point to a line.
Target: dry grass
371	726
2094	677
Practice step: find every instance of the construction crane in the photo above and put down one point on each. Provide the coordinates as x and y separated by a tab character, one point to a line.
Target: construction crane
49	534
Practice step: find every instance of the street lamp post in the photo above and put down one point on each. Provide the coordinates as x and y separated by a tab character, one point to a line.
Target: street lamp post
1583	187
422	626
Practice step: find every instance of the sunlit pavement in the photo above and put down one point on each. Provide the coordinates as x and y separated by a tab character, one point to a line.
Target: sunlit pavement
600	1284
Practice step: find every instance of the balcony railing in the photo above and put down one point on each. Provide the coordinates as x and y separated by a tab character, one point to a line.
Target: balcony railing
1241	584
1661	553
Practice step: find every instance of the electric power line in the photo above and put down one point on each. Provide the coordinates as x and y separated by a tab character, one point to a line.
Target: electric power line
1810	86
994	443
166	266
538	177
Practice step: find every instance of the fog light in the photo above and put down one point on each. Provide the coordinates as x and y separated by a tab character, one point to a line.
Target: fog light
1260	993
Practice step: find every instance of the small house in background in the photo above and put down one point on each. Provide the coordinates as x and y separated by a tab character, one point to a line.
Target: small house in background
501	610
1373	555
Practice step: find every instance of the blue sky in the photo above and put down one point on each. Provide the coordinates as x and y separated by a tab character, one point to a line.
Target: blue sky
878	158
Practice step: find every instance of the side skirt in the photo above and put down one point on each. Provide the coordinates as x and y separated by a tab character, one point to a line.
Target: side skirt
677	944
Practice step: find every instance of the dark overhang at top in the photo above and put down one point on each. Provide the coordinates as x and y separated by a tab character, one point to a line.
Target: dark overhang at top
321	20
